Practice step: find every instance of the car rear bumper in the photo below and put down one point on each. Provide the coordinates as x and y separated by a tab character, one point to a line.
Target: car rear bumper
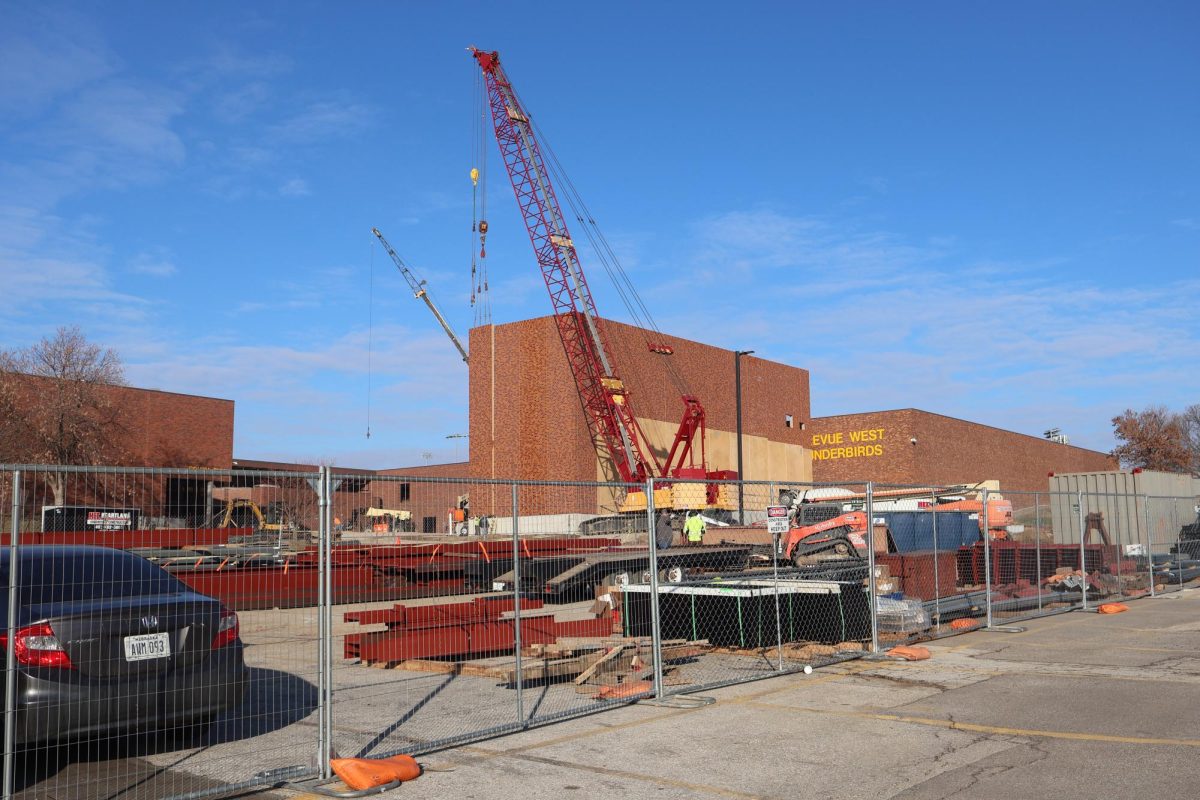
54	705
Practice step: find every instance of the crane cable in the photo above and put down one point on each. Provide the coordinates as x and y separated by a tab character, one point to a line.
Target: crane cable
481	299
370	327
605	254
474	196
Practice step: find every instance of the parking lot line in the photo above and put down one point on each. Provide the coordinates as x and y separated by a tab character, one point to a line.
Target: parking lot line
994	730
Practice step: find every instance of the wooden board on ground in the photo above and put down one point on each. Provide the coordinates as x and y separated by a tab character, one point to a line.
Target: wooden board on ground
794	650
616	652
419	665
586	661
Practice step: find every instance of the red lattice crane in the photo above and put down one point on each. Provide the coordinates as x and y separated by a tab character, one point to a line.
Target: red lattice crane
611	421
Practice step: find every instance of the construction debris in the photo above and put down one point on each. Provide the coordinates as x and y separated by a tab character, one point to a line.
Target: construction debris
589	662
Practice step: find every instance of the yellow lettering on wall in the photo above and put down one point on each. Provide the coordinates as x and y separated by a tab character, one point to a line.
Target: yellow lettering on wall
825	439
867	435
857	451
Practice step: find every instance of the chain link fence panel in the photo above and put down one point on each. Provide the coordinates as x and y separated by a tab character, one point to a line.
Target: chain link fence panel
737	603
161	635
243	626
1172	541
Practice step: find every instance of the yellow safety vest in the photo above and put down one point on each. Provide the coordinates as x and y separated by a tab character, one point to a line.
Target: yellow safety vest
694	528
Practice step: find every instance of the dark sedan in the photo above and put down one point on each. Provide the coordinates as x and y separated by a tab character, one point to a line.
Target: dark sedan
106	642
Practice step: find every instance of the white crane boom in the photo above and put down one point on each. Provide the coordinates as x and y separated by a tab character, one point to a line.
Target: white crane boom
421	293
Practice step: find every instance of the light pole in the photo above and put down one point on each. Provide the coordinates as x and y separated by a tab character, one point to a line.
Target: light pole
737	380
456	436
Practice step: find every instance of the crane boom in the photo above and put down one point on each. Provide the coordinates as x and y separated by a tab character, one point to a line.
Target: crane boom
611	421
421	293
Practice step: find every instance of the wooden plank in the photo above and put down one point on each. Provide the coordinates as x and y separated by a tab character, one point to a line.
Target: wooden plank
604	659
546	669
486	667
417	665
688	650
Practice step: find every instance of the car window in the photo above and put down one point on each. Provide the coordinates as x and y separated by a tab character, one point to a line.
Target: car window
73	576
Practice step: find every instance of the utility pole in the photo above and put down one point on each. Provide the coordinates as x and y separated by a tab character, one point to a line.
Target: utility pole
737	380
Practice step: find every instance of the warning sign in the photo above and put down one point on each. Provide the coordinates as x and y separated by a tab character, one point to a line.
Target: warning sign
777	520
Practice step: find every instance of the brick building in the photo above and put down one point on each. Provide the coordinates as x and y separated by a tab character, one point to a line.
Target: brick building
152	427
526	421
429	492
146	427
526	424
909	446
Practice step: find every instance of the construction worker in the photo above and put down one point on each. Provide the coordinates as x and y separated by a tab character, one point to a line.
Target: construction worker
664	533
694	529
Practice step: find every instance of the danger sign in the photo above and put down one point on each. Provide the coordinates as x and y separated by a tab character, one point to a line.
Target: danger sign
777	520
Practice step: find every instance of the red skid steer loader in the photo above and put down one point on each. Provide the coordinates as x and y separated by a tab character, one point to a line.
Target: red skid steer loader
823	532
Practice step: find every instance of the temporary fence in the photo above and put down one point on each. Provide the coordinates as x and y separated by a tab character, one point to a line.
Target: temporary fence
110	661
746	604
285	617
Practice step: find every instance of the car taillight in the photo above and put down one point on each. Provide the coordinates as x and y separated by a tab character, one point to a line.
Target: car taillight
37	646
227	629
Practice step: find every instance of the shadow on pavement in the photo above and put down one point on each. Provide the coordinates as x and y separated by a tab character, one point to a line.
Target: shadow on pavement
113	767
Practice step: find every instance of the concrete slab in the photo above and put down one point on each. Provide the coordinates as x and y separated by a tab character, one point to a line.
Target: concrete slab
1106	706
1039	769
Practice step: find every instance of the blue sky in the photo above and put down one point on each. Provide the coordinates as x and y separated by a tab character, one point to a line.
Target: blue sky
985	210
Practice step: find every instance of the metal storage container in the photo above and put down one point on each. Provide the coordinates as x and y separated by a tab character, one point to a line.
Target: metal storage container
913	530
1142	508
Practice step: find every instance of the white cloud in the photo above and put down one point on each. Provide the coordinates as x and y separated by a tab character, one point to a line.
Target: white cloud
127	121
306	393
153	263
324	119
296	187
236	104
885	323
228	62
38	70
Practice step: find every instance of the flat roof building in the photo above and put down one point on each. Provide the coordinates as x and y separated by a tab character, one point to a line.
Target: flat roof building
527	421
914	447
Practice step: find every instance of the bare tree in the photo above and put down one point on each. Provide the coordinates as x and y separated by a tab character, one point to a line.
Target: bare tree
1191	425
56	407
1155	438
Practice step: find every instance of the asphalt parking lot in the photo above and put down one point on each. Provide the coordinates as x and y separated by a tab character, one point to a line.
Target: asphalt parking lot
1078	703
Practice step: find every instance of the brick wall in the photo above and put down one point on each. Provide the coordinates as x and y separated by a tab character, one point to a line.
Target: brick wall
399	488
526	421
160	429
178	430
877	446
